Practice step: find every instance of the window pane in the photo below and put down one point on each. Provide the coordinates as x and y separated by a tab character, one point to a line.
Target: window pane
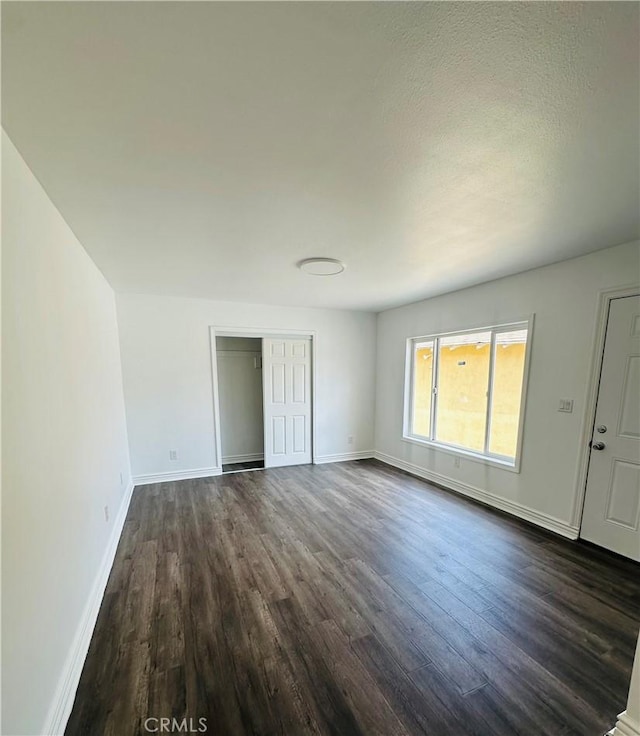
422	387
463	376
508	373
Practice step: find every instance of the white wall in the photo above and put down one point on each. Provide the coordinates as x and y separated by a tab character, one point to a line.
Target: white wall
64	442
166	363
240	397
563	298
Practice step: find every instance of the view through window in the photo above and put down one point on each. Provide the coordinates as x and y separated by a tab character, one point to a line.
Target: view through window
466	390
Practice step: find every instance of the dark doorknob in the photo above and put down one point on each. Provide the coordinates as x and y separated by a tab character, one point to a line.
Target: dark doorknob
598	445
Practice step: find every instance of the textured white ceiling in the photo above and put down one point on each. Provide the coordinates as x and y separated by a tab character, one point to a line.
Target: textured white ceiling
202	149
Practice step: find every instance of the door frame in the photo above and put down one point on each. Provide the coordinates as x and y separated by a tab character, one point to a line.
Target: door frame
605	297
257	332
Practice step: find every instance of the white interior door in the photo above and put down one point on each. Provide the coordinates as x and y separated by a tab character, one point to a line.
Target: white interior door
286	375
611	515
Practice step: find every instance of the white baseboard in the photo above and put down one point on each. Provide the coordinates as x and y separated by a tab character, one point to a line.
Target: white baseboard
145	480
625	726
251	457
490	499
343	457
62	703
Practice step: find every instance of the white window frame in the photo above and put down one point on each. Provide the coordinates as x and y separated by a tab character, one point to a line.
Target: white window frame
484	457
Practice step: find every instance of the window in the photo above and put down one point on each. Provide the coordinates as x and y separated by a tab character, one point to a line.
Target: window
465	391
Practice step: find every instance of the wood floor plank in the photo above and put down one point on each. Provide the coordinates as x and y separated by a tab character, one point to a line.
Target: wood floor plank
499	716
368	703
512	686
461	719
582	672
325	699
421	712
417	630
558	695
353	599
538	623
381	622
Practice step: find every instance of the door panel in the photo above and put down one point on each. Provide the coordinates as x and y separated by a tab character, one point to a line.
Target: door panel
299	434
279	435
276	349
623	501
611	515
299	349
629	418
299	383
287	401
278	383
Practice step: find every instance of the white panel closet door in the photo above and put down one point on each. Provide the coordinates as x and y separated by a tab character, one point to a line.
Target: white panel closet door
286	373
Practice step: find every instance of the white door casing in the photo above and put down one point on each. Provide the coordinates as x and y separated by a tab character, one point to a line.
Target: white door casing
611	515
286	366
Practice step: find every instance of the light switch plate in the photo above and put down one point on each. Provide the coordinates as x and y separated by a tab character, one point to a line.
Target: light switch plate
566	405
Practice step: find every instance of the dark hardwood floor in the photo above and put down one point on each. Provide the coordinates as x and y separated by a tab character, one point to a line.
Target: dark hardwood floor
353	599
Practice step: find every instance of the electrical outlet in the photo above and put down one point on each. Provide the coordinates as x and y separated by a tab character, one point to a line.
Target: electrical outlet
350	439
173	454
456	461
106	514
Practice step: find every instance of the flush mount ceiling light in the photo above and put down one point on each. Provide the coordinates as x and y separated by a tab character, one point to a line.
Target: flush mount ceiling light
322	266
